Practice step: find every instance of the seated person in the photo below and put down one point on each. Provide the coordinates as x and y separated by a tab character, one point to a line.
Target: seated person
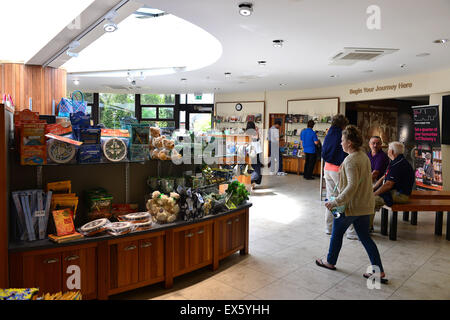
379	161
396	186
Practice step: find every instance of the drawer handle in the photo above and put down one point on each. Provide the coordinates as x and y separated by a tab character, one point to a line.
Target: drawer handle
130	248
201	231
237	220
49	261
71	258
189	235
230	222
146	245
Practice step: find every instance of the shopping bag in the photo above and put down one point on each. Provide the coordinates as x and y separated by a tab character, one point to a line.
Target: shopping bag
67	106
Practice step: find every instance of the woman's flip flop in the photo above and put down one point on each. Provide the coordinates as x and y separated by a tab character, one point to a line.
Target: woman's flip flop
320	263
382	280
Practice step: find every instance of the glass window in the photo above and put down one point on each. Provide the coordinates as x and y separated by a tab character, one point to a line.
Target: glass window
204	98
182	99
157	99
113	106
165	113
161	124
200	122
149	112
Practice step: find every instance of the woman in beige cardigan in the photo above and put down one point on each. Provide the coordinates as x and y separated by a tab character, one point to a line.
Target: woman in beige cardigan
356	194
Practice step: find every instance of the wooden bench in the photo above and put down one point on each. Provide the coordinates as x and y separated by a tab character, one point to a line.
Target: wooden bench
415	205
424	194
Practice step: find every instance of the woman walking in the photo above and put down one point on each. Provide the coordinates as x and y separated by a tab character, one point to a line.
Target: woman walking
355	193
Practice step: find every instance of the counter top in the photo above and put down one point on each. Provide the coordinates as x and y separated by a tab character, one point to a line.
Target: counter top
48	244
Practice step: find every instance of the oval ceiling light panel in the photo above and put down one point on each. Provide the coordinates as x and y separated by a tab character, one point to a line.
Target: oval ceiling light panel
167	44
28	26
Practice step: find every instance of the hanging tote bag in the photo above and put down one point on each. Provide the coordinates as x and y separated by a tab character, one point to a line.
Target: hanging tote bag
67	106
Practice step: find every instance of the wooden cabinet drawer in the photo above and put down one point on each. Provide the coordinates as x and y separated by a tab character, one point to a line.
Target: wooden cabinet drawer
151	258
83	262
43	272
231	234
124	264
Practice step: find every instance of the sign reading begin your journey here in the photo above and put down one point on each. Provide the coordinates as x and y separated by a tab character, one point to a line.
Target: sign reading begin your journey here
390	87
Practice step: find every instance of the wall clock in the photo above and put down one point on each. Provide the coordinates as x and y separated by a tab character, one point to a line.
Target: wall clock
238	107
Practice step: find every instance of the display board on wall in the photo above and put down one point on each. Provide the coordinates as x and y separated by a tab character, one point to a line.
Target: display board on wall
428	158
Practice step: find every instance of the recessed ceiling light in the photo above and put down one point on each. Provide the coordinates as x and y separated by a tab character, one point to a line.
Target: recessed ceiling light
245	9
227	74
183	79
403	66
76	82
441	41
277	43
334	76
424	54
282	84
262	62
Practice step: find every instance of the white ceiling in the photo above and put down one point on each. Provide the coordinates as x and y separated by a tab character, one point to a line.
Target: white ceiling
313	31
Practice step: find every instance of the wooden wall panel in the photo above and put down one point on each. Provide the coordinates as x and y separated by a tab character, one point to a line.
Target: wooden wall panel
3	203
43	85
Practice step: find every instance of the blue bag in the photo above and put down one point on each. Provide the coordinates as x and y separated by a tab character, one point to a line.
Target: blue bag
66	107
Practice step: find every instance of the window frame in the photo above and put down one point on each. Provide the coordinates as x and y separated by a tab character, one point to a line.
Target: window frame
175	107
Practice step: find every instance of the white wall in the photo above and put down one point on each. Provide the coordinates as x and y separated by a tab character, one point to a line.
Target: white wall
435	84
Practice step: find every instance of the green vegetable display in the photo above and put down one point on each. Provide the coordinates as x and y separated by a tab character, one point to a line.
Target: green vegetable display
236	194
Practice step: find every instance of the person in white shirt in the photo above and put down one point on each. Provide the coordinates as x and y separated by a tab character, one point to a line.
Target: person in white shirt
276	158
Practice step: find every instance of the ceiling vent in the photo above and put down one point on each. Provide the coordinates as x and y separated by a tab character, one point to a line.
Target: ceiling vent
350	56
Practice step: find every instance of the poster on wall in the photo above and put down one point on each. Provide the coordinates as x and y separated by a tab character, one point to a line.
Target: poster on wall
428	159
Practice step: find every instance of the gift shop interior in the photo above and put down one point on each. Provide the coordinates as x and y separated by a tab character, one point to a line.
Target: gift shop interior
181	150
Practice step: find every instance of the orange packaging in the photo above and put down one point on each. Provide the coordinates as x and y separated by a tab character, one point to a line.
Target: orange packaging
59	129
115	133
33	155
63	222
245	179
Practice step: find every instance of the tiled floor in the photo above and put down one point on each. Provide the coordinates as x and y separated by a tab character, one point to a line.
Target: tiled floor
287	234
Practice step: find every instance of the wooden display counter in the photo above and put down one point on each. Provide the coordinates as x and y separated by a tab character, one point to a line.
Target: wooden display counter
293	164
112	264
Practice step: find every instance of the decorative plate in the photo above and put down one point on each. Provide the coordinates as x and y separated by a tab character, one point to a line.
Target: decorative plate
61	152
115	149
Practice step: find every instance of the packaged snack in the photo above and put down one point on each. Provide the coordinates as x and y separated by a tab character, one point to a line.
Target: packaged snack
80	119
90	135
59	187
63	222
99	204
142	226
33	155
118	228
136	217
94	227
90	153
59	128
139	152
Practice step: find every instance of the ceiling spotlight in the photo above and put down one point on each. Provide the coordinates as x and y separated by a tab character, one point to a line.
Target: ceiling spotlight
334	76
76	82
282	84
403	66
262	62
71	54
73	45
422	54
227	74
245	9
183	79
277	43
110	26
441	41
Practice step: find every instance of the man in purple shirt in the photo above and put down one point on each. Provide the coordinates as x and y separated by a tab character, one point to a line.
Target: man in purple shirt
378	159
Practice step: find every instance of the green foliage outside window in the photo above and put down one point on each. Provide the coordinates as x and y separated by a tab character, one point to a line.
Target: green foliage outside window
115	106
157	99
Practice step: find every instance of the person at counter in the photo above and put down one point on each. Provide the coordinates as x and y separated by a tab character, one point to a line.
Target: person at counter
379	160
396	185
309	141
252	130
276	156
